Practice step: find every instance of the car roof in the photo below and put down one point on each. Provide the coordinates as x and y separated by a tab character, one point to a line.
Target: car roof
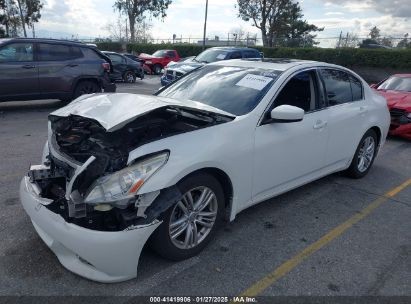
232	48
47	40
278	64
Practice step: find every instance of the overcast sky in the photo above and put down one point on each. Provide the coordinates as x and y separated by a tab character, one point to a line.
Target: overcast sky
88	18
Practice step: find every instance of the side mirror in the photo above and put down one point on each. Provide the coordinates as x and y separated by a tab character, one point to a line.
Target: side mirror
373	85
287	113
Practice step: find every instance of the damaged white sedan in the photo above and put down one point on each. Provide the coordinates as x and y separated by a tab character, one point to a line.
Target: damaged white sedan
119	169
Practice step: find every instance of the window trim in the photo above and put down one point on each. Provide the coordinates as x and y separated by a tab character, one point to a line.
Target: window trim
20	42
325	89
285	82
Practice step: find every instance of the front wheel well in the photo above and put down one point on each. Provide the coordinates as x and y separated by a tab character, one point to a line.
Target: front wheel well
225	182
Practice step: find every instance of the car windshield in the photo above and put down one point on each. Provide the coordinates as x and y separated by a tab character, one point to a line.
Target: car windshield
396	84
159	53
211	56
236	90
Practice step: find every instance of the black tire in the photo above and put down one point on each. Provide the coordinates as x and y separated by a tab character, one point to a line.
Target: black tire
354	170
157	69
161	240
129	77
86	87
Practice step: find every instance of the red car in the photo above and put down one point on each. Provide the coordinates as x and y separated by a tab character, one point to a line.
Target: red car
397	90
159	59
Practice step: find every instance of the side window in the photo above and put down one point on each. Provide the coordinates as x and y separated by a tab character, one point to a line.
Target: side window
171	54
75	52
116	58
337	85
16	52
251	54
235	55
356	88
53	52
300	91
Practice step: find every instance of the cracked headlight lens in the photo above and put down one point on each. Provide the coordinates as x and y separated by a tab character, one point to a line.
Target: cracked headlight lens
125	183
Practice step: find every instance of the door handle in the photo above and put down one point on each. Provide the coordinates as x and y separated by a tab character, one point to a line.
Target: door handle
72	65
28	66
320	124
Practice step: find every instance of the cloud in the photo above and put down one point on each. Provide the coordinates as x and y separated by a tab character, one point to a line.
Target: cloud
395	8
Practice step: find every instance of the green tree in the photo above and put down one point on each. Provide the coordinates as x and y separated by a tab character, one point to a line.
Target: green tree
404	42
280	21
136	11
14	16
375	33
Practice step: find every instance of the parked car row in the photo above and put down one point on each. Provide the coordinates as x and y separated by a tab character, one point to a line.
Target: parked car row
175	70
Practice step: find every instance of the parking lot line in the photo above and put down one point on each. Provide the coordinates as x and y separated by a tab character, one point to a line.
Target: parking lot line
290	264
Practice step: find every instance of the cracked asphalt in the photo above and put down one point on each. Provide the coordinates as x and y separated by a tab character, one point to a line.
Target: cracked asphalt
372	258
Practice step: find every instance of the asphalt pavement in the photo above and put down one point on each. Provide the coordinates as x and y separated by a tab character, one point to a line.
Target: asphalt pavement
333	237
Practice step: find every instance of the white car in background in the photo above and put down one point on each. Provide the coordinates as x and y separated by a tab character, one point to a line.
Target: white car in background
119	168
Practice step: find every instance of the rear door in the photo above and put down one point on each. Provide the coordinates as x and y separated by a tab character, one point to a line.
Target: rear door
347	110
18	71
119	65
59	66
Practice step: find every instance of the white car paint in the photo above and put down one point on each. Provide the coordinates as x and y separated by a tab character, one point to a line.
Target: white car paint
261	161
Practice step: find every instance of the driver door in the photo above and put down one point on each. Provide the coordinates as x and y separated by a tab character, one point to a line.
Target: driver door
288	154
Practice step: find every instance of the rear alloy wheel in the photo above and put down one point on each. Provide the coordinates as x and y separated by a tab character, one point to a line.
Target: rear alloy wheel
364	155
157	69
190	224
129	77
86	87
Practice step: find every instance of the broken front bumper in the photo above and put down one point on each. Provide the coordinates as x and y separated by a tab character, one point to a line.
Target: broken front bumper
97	255
403	130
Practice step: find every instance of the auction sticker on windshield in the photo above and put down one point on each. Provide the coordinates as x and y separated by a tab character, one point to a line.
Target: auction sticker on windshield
255	82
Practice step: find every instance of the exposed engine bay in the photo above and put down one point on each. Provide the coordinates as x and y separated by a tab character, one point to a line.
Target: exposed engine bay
101	153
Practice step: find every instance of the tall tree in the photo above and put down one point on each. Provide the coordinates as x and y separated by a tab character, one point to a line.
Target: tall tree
14	16
375	33
136	11
280	21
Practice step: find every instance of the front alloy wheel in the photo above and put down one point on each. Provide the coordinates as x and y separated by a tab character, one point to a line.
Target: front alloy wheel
193	218
191	223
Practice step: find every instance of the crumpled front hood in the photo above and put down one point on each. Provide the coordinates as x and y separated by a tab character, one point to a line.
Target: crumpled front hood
113	111
396	99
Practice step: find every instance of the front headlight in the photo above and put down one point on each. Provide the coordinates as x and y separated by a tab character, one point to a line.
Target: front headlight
148	62
125	183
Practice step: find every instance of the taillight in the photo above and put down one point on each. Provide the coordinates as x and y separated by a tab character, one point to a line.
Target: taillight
106	66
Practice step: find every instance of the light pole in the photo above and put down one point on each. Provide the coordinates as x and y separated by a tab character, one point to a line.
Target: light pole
205	25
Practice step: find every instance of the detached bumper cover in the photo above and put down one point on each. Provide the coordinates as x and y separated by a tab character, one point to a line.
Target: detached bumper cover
96	255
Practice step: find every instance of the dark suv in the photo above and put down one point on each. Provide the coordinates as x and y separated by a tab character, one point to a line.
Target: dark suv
48	69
